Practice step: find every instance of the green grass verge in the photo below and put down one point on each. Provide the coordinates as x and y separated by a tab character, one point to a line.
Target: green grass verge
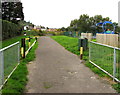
11	41
17	82
9	59
71	44
15	39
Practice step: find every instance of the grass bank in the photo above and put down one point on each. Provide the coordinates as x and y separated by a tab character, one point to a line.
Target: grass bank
17	82
71	44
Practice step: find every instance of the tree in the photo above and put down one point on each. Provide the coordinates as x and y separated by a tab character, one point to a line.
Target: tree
63	29
12	11
88	24
47	27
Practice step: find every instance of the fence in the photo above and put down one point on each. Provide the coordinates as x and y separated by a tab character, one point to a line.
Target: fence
26	45
9	60
30	46
72	34
108	39
105	58
87	35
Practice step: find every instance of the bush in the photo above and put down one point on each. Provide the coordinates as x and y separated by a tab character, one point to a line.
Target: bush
34	32
57	33
9	29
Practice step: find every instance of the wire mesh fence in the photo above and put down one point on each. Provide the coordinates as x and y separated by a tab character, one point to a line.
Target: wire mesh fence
9	59
105	58
72	34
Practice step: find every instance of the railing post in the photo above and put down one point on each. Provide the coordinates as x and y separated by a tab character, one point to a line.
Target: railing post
89	51
1	69
19	52
114	64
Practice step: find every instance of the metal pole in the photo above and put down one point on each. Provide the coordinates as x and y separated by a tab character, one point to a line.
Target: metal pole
89	50
2	68
18	53
1	61
114	64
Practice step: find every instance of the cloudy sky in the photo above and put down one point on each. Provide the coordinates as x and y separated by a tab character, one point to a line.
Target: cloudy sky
59	13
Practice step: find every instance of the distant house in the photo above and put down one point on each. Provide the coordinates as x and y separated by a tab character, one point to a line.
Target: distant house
28	27
52	29
42	29
37	27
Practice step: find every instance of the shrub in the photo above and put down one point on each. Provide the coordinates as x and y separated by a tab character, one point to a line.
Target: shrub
9	29
34	32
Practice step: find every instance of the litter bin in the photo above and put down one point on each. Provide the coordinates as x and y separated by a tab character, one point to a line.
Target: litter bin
83	43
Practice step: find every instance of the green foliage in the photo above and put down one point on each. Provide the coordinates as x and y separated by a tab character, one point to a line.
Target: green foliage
34	33
94	40
117	87
31	55
55	33
87	24
11	11
17	81
41	33
69	43
9	30
12	40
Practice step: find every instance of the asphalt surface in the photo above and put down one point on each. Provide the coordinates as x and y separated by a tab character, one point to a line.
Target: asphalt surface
56	70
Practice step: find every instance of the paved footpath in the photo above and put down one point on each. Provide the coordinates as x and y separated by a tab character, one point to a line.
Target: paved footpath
56	70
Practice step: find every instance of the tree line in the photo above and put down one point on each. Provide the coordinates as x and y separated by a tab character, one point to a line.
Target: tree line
12	16
12	11
85	23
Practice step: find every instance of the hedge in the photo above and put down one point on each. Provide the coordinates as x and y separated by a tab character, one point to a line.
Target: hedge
9	29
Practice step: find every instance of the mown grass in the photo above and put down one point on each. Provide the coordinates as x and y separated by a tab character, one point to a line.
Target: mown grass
15	39
17	82
71	44
9	59
11	41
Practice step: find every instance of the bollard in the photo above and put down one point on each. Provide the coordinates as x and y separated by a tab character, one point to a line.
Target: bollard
23	47
29	42
84	43
36	38
81	49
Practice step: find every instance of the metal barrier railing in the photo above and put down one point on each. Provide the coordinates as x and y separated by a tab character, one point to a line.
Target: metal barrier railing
105	58
9	60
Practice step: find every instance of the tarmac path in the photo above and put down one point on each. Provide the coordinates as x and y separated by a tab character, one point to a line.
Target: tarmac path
56	70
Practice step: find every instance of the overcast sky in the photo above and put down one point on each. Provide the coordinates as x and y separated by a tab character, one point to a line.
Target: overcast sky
59	13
